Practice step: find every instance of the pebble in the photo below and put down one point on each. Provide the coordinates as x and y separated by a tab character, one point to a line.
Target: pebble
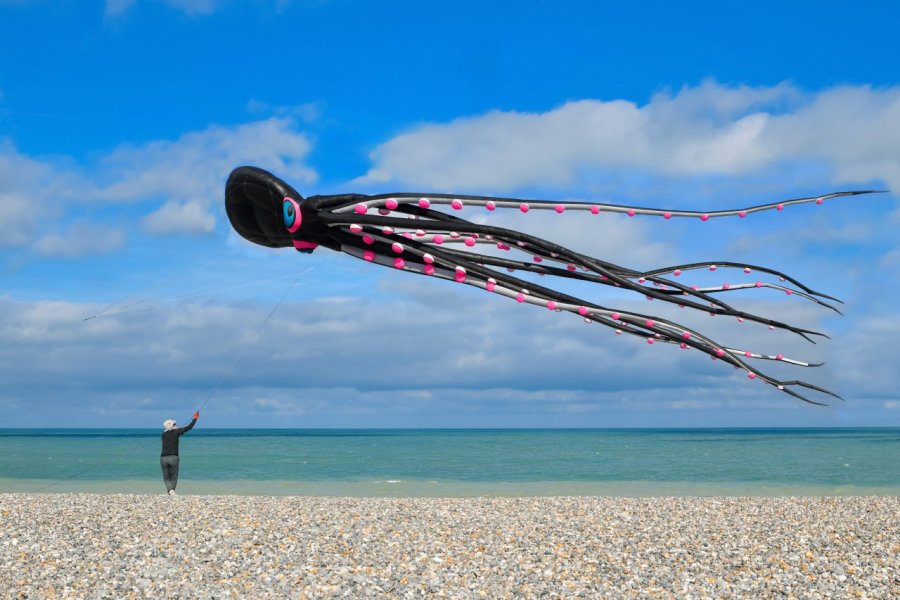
123	546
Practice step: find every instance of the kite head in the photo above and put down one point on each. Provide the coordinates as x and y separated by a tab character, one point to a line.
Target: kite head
265	210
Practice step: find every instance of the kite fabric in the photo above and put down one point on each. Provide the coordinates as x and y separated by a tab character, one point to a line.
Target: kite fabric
407	231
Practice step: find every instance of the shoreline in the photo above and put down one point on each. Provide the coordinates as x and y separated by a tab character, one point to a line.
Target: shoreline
400	488
99	545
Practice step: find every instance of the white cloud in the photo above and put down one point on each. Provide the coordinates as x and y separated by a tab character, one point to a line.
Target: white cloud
116	8
31	193
174	217
194	167
707	130
80	240
185	177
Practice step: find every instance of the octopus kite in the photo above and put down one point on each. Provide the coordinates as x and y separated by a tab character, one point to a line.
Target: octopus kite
406	231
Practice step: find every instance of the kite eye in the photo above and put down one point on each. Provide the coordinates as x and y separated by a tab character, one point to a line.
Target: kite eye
291	214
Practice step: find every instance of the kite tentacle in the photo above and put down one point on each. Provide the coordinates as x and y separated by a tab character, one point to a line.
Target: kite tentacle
459	201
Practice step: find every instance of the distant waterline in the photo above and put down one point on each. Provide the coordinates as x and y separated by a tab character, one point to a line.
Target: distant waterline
444	462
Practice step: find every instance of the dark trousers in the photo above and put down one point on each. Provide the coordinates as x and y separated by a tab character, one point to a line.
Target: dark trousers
169	466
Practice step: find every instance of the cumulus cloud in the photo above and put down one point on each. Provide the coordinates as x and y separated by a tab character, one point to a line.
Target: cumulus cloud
706	130
184	177
194	167
117	8
175	217
81	239
25	186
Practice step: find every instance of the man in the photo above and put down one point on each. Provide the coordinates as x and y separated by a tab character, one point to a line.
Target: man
168	460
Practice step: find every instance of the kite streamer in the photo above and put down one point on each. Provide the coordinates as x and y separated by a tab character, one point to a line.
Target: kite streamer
418	233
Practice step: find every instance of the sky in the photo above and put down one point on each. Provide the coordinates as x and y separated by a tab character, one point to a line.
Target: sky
126	298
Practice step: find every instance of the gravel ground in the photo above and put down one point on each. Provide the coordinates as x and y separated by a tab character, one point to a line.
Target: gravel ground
121	546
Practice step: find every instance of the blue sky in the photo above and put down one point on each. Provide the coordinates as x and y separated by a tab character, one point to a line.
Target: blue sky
120	121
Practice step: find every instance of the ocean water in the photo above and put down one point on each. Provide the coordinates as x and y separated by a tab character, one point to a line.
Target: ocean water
444	463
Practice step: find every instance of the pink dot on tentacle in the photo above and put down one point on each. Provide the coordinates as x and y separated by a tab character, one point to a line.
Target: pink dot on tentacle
551	305
437	238
420	233
456	205
387	230
391	203
771	328
582	310
631	212
618	332
523	207
758	284
751	375
520	297
604	278
683	346
740	319
712	267
649	298
820	200
677	272
686	335
368	239
398	248
490	285
355	228
726	286
667	215
429	269
595	210
460	277
615	316
571	268
694	287
399	263
428	258
408	235
469	241
454	234
368	255
490	205
650	323
704	217
649	340
538	259
559	208
779	356
788	292
720	353
748	354
641	280
746	269
742	214
780	207
424	203
383	212
780	387
360	209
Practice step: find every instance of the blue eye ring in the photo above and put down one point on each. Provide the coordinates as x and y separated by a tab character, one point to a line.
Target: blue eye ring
291	214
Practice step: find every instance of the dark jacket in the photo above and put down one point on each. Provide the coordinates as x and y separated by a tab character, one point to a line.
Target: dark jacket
170	439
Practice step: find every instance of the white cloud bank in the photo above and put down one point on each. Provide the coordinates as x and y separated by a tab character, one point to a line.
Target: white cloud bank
183	179
707	130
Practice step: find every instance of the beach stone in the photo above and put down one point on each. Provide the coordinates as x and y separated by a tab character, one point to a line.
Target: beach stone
111	546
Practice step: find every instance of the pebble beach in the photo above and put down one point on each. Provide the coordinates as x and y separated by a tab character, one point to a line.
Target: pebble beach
140	546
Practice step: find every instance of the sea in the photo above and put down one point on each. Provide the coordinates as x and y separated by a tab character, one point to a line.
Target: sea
460	462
